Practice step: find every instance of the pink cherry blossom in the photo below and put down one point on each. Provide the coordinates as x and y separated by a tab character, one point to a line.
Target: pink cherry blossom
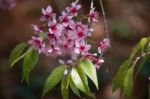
65	18
36	28
81	30
103	45
73	10
47	13
37	43
93	16
55	28
51	36
64	35
82	48
98	62
54	50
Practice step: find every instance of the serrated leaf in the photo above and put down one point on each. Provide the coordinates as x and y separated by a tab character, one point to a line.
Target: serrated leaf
54	78
64	87
29	62
88	67
128	83
118	79
80	82
16	53
74	88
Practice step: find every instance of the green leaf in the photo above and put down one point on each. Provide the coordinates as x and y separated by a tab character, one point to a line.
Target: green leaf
128	83
140	66
139	47
143	42
74	88
54	78
83	78
118	79
64	87
88	67
134	51
41	34
80	81
29	62
16	53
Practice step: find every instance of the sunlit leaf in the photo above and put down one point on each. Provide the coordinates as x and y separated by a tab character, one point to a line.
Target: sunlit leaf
128	83
74	88
80	82
143	42
88	67
54	78
83	78
118	79
29	62
16	53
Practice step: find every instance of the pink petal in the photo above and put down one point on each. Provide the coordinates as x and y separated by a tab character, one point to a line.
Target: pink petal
61	61
49	9
77	50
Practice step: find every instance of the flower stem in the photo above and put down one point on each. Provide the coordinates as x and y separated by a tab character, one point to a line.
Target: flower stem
106	30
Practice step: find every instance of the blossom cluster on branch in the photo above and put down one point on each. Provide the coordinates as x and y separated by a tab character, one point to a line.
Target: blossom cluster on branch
68	34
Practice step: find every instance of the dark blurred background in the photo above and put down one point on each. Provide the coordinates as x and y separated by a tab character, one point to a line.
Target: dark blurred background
128	20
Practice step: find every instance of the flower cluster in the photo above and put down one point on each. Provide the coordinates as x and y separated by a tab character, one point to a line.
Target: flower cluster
67	34
7	4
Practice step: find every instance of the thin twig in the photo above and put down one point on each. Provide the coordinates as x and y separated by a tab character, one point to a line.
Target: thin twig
106	31
105	20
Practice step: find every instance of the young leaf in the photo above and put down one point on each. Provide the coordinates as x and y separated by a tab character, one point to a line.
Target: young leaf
88	67
16	53
79	81
29	62
74	88
128	83
64	87
118	79
54	78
